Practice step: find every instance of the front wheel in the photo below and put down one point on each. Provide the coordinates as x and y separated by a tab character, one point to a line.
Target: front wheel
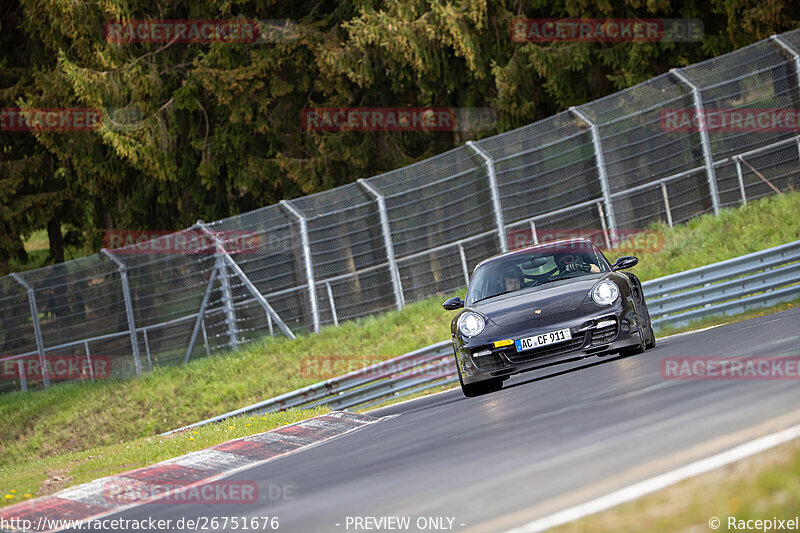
473	390
636	349
651	338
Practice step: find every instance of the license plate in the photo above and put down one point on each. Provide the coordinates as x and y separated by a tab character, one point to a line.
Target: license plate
543	340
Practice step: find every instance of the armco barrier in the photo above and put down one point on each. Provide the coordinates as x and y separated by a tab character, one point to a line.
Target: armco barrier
755	280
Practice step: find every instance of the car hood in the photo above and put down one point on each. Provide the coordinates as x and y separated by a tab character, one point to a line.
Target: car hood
557	301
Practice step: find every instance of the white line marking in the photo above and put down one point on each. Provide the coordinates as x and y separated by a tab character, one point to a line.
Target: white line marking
637	490
409	400
692	331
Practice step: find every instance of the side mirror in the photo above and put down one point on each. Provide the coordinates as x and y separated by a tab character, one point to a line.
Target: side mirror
453	303
626	261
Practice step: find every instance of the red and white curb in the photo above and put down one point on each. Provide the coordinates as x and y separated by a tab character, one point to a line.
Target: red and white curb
182	474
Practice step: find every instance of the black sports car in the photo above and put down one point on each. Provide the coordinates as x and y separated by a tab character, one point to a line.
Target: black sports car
549	303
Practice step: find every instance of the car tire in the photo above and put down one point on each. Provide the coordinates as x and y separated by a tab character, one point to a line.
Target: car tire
651	338
474	390
638	348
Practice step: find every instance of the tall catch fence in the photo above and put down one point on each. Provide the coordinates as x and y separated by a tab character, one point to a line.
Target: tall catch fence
615	164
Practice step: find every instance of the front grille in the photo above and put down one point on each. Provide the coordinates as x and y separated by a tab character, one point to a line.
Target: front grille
489	363
556	349
604	335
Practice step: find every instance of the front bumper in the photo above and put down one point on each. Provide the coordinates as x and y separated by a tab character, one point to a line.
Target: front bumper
587	340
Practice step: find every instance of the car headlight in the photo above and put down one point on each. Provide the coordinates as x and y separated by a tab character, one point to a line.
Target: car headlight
605	293
471	324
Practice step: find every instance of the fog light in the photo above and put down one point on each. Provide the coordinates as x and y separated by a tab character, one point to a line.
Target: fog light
467	365
500	344
625	327
481	353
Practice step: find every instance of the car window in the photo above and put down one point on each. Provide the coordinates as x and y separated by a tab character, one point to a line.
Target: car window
521	271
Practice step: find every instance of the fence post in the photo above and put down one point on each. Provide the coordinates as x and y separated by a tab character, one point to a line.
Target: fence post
600	162
126	294
223	253
37	328
534	235
704	139
495	191
665	195
332	304
463	263
777	39
201	312
23	380
780	41
603	225
227	302
741	179
312	289
147	349
89	359
397	285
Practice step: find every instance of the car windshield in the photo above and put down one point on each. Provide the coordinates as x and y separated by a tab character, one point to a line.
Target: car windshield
544	265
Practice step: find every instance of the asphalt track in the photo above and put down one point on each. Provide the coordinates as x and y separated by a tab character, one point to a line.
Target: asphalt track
549	440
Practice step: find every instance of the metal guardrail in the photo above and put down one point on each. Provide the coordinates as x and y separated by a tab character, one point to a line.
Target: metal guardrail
754	280
732	286
427	367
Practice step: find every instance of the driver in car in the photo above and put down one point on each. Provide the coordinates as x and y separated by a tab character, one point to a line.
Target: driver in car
512	278
572	262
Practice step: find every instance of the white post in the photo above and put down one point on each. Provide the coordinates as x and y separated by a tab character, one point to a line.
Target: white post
312	289
741	179
495	192
332	303
89	359
126	293
666	203
704	139
603	225
394	272
463	263
777	39
37	329
602	174
534	235
227	303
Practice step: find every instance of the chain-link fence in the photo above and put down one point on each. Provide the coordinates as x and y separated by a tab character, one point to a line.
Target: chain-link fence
615	164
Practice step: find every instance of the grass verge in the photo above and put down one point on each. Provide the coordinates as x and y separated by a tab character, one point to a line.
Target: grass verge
42	477
763	486
74	418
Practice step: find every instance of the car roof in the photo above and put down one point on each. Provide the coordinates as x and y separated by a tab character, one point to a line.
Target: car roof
548	246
